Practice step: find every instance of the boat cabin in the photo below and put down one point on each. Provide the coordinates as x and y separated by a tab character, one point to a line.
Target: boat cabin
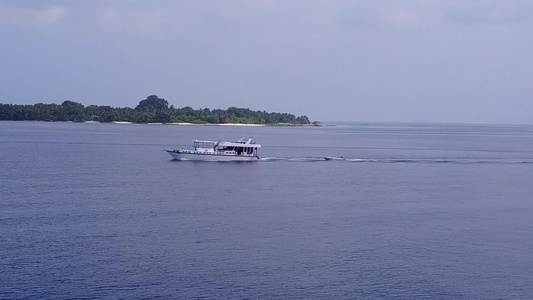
242	147
204	145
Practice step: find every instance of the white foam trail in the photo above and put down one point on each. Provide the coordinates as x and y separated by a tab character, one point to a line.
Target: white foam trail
360	160
306	159
302	159
404	160
272	158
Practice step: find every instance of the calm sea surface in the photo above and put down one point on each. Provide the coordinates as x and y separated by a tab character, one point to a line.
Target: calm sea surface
416	211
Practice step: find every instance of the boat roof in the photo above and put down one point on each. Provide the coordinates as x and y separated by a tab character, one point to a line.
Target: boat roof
237	144
199	141
242	142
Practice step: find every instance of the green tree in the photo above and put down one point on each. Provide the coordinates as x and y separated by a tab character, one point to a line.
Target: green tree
152	103
152	109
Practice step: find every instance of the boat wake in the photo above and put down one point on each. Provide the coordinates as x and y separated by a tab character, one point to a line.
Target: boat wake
340	159
272	158
315	159
464	161
296	159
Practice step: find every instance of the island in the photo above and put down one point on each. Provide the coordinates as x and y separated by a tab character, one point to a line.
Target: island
150	110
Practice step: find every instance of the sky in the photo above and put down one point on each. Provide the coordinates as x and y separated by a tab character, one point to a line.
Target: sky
449	61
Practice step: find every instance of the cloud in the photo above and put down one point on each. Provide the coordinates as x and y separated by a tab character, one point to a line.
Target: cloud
145	23
399	17
160	20
489	12
31	17
275	54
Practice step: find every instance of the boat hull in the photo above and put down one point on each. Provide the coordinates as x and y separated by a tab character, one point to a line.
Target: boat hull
176	154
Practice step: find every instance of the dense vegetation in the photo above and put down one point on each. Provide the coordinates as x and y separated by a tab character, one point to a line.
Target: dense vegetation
151	110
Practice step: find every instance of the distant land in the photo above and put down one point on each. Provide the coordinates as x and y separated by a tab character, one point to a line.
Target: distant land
150	110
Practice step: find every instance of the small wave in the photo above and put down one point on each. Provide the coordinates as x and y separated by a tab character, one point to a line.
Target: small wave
439	160
296	159
307	159
461	161
360	160
458	161
421	160
508	162
272	158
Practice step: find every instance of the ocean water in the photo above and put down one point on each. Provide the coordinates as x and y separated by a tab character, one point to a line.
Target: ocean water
416	211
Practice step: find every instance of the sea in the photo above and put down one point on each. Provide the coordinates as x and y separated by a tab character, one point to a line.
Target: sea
413	211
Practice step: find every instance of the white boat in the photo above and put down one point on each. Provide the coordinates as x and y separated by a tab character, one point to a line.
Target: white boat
242	150
334	158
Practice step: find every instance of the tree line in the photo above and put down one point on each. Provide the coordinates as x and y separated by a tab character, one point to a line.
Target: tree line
150	110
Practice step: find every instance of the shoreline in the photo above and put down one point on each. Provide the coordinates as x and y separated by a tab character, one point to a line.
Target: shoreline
175	124
212	124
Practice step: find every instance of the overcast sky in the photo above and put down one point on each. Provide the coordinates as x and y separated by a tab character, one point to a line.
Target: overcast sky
346	60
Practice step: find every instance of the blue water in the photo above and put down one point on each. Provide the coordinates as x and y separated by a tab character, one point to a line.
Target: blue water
415	211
